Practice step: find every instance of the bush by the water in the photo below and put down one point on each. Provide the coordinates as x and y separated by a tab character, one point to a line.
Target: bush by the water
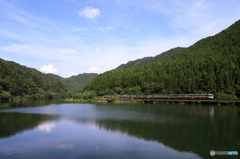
112	99
5	97
224	96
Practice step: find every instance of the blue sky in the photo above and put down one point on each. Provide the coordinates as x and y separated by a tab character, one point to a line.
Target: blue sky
69	37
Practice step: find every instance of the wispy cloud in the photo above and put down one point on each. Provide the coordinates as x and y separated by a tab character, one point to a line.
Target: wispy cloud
89	13
67	52
2	37
27	49
107	28
78	29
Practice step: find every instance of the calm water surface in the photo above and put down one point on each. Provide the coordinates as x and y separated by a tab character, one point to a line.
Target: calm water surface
56	129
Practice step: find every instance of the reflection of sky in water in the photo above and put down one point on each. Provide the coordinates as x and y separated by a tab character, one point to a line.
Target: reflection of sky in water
64	145
76	140
46	127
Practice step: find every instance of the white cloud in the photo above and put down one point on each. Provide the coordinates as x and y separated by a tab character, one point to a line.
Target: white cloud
48	69
98	49
93	70
46	127
68	52
89	13
66	75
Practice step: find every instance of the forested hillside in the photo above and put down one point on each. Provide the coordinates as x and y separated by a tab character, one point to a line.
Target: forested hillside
212	65
75	83
21	81
147	60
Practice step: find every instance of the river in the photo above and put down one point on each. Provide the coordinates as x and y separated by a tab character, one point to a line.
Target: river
57	129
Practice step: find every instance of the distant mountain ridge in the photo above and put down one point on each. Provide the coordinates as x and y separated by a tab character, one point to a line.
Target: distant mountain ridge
19	80
75	83
147	60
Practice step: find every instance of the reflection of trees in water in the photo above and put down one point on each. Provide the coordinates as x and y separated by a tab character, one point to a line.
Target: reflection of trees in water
162	109
200	135
199	138
12	123
30	103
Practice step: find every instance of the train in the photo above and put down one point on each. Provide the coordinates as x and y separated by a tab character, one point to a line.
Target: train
166	96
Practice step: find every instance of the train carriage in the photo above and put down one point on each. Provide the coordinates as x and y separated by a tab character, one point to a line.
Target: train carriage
166	96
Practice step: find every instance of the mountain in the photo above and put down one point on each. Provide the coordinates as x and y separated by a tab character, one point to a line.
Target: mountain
75	83
18	80
147	60
211	65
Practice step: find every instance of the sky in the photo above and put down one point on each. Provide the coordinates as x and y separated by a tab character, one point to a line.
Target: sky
70	37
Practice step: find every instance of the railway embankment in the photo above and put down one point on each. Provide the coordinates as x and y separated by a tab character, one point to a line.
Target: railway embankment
194	101
166	101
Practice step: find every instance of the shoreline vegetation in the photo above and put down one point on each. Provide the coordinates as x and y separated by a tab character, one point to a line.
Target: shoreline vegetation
114	100
135	101
6	97
105	100
90	97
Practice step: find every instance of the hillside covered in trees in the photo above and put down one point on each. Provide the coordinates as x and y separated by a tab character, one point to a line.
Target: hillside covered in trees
75	83
211	65
147	60
20	81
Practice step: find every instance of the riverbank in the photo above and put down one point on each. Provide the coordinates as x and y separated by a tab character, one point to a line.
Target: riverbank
167	101
105	100
132	101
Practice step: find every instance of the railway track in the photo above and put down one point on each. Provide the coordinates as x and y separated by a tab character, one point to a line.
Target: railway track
182	98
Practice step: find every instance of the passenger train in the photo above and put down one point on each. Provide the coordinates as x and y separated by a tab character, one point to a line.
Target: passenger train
166	96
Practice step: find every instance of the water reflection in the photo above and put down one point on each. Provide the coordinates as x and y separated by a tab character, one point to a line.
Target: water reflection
26	103
64	145
12	123
46	127
92	130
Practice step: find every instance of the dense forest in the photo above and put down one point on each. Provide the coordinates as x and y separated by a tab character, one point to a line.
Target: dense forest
211	65
23	82
147	60
75	83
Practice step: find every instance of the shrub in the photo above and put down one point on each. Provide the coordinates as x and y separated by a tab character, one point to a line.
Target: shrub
112	99
224	96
